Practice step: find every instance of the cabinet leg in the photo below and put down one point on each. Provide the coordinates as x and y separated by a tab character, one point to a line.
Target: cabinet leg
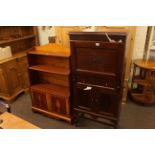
116	125
76	119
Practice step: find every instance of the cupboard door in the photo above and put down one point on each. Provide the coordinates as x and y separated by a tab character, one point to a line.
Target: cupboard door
23	66
59	105
107	104
82	96
39	100
12	76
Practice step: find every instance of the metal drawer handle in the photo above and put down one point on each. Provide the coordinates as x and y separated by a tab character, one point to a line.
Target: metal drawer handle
87	88
97	44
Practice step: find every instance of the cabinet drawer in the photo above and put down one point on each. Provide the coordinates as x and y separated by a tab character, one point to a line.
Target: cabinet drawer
98	56
105	81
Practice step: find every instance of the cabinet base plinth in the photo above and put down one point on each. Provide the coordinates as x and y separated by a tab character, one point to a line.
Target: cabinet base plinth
53	115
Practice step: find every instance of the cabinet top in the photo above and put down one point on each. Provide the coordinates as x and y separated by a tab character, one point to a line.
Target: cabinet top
97	33
51	49
99	36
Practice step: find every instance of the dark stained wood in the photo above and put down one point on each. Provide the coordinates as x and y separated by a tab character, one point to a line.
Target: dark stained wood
97	74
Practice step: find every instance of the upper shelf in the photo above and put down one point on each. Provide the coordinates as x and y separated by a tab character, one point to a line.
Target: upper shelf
17	39
51	69
51	49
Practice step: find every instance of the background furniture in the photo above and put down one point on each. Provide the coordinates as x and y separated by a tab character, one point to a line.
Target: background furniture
49	77
11	121
13	70
143	82
4	107
62	38
97	74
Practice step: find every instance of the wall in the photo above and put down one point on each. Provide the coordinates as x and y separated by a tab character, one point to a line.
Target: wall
44	34
139	43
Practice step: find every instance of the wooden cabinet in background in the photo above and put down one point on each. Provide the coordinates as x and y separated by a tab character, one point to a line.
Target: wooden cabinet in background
49	77
14	70
12	78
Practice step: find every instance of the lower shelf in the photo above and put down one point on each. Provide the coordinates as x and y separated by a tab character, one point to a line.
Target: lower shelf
144	99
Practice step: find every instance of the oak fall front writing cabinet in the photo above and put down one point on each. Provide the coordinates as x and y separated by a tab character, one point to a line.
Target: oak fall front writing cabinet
97	74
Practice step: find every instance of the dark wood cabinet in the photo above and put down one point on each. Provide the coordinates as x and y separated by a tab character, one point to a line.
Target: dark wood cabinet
97	74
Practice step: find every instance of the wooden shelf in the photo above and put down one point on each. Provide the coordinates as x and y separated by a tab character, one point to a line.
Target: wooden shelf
51	49
14	56
51	69
142	82
52	89
144	99
17	39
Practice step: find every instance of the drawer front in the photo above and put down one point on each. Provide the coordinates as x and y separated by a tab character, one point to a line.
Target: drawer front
104	81
98	58
82	98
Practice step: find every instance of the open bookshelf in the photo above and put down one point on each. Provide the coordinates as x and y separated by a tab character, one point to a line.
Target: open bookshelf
49	80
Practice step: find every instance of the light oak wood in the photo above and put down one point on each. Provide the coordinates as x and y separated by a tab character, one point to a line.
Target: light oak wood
62	34
13	70
11	121
51	49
